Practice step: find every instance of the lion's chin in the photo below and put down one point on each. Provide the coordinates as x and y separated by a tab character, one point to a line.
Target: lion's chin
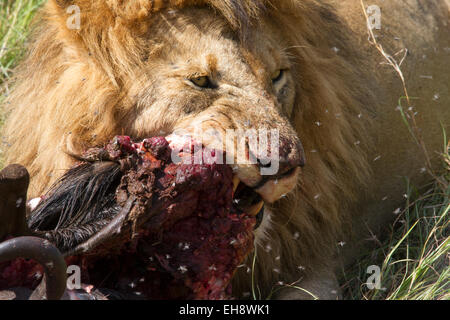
276	189
268	190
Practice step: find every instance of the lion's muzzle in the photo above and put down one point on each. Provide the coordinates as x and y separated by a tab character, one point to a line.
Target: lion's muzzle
288	160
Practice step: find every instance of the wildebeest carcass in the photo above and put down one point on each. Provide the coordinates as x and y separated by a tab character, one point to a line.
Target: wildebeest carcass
138	224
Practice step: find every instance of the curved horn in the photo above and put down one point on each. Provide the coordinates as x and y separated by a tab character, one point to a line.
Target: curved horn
46	254
14	180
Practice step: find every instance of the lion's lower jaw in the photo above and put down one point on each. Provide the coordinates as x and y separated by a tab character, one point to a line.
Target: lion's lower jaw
276	189
262	232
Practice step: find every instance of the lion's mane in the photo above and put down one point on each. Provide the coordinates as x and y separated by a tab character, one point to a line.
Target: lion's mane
70	93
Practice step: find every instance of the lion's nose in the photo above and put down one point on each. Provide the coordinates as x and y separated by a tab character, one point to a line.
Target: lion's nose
291	155
284	161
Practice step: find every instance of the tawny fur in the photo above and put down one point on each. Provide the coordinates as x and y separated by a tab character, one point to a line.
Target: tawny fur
77	89
71	93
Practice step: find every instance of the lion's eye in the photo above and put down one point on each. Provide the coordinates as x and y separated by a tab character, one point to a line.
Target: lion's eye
277	75
202	82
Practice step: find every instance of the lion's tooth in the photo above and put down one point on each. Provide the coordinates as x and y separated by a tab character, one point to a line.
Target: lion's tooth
254	210
236	182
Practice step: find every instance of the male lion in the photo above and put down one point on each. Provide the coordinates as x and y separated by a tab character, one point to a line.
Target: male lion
307	68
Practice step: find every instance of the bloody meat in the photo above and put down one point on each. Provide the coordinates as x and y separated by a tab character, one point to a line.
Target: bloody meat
181	239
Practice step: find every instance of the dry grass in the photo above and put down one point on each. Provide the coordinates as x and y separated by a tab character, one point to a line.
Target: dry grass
15	20
415	259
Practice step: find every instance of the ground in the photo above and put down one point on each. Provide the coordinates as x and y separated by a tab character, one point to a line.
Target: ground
414	259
